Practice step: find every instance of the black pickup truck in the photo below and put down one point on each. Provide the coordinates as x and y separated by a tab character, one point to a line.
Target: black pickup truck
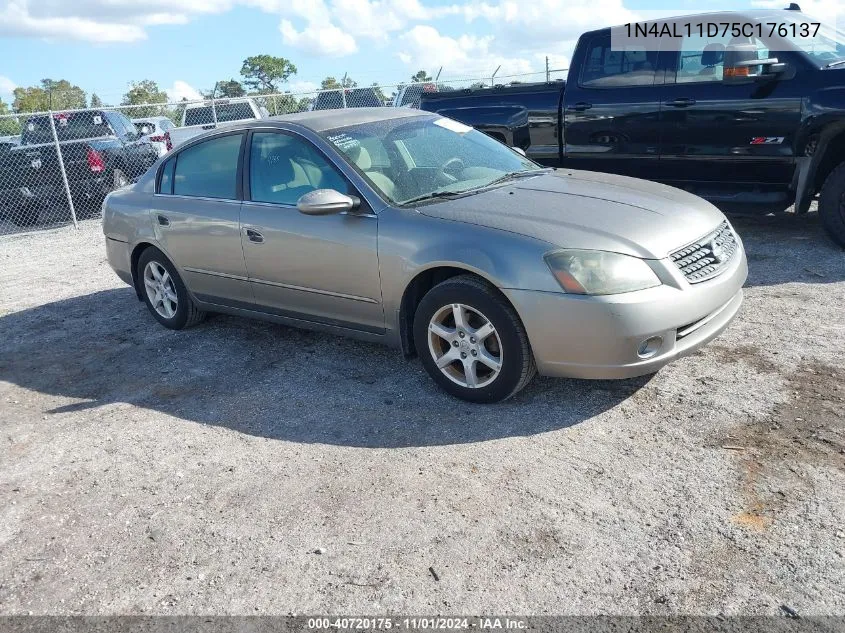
749	123
101	151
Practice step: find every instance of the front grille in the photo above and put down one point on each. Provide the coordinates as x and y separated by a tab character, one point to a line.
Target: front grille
707	257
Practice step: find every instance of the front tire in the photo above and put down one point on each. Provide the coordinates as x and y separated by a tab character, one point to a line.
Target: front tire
832	205
472	342
164	292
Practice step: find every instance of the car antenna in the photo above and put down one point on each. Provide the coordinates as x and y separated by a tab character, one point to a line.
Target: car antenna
793	6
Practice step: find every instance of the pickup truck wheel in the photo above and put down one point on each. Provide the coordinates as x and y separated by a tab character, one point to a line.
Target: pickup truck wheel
832	205
164	292
471	341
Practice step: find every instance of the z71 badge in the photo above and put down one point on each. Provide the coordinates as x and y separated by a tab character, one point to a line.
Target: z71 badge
767	140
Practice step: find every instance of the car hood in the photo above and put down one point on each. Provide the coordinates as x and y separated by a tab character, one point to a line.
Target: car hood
589	210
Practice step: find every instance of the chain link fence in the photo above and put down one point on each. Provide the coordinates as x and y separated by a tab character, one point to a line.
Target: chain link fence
56	168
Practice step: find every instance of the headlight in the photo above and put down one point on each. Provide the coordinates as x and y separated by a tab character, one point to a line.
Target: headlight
600	272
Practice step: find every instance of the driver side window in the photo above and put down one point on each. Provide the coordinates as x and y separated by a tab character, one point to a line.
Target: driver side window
283	168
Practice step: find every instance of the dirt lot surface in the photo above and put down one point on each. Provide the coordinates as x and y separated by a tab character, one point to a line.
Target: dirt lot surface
248	468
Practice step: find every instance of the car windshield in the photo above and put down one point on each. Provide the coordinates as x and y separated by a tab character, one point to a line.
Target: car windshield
826	47
414	158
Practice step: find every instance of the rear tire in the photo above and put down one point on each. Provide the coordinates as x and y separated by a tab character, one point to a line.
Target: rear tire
832	205
165	293
471	341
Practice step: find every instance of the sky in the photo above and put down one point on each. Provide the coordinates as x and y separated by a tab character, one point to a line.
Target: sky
188	45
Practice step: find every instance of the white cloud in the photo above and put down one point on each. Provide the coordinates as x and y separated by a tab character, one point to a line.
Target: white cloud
182	90
524	26
7	86
299	87
828	11
324	40
467	56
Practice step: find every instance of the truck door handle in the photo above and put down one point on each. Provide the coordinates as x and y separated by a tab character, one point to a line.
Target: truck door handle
681	103
163	221
580	107
254	236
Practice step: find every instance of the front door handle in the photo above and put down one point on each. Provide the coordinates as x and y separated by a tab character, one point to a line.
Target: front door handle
163	220
681	103
580	106
254	236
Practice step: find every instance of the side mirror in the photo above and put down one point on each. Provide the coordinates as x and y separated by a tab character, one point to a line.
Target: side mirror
326	202
742	65
519	150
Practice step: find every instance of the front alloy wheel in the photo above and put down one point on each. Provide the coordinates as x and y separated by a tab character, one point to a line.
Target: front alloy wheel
471	341
465	346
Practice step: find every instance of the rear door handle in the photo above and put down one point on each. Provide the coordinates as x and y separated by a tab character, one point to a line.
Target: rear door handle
163	221
681	103
580	107
254	236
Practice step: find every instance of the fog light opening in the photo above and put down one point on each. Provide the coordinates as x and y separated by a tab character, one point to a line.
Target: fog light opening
650	347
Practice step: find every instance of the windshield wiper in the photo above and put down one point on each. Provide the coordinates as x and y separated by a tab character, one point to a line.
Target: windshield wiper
514	175
433	195
838	62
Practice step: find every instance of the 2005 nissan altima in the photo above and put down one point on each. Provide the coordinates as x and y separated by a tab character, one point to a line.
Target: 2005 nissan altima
414	230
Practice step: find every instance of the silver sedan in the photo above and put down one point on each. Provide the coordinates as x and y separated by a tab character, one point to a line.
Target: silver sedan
413	230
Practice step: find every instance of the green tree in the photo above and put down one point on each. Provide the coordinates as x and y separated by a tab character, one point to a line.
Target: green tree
421	76
9	126
377	89
50	95
330	83
96	102
229	88
142	93
265	73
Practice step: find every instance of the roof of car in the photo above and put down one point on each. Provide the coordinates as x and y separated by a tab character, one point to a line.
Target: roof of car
321	120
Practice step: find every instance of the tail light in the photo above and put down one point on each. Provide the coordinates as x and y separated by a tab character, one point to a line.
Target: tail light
165	138
95	161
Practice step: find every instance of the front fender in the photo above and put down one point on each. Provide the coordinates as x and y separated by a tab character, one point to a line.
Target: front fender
411	244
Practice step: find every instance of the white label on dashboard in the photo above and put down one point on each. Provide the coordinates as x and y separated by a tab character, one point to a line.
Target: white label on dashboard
454	126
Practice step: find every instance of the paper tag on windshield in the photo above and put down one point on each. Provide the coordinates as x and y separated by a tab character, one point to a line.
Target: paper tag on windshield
454	126
98	120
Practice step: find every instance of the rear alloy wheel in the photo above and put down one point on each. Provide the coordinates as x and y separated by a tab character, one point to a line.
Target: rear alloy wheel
832	205
165	293
471	341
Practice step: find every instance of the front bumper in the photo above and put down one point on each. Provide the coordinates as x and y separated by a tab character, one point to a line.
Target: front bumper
576	336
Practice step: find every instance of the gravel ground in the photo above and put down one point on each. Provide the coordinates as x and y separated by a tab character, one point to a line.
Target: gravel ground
245	468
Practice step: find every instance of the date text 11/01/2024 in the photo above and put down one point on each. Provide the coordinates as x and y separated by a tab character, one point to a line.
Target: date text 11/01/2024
720	29
417	624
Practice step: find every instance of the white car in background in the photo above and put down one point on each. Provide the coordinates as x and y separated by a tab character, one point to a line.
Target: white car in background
157	129
200	116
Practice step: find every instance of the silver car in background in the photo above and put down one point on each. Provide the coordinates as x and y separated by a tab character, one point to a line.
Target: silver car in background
413	230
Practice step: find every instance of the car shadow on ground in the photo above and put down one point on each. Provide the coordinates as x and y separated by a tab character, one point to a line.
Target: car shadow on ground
267	380
785	247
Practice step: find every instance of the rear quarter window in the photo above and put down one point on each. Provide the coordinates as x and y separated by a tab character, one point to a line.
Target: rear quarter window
72	126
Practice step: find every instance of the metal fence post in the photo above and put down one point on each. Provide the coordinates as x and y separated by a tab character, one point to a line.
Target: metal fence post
62	168
343	90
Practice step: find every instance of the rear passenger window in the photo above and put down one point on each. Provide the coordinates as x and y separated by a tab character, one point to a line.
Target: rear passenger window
165	183
606	68
209	169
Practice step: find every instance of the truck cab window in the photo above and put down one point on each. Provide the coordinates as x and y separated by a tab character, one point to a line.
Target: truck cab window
607	68
702	59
